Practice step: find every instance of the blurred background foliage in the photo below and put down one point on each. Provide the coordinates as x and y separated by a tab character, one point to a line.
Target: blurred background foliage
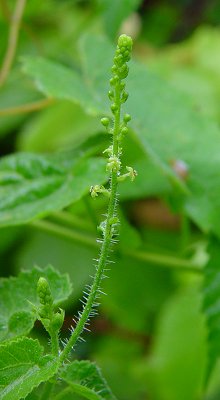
150	338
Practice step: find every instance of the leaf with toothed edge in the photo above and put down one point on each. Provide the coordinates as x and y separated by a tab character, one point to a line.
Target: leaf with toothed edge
23	367
33	185
17	293
85	379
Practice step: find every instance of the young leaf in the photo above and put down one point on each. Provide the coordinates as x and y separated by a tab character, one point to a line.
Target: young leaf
23	367
33	186
17	294
85	379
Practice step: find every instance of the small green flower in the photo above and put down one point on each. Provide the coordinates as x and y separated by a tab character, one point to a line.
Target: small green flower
95	190
132	173
105	121
114	164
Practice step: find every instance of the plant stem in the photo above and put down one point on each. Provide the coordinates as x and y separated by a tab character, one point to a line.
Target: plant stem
26	108
107	238
162	260
54	343
58	230
72	220
12	40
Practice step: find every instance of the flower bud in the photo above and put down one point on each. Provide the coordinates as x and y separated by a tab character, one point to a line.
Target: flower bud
124	130
114	108
114	69
111	95
127	118
123	71
125	41
44	292
105	121
124	97
57	320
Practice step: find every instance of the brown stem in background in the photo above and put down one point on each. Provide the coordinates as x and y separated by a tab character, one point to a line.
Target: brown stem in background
12	40
5	10
25	108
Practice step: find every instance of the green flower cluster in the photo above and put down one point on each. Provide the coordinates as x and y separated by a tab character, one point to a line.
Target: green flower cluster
51	320
118	95
45	297
120	70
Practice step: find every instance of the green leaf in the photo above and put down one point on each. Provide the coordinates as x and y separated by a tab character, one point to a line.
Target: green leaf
66	256
60	82
15	92
33	186
180	132
176	367
32	396
136	292
23	367
129	235
172	137
115	12
86	380
17	294
42	133
118	356
148	182
211	304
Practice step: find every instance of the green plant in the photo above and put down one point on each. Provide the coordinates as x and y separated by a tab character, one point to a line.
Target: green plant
156	334
23	366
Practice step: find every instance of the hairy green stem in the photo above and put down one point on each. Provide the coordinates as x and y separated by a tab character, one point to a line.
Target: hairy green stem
107	237
119	96
54	343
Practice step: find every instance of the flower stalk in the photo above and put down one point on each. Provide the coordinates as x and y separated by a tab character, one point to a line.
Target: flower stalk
117	96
